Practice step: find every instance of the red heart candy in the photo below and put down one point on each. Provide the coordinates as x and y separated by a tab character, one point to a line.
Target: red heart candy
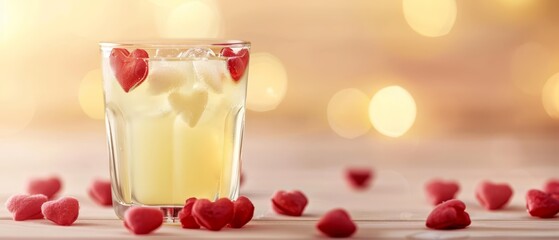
100	192
46	186
143	220
336	223
130	69
236	62
289	203
63	211
493	196
449	215
185	215
552	186
359	178
541	204
213	215
243	210
25	207
439	191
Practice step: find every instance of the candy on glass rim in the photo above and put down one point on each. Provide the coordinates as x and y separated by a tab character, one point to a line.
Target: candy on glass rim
213	215
448	215
48	186
243	211
143	220
438	190
63	211
100	192
185	215
236	62
336	223
25	207
359	177
129	68
541	204
493	196
291	203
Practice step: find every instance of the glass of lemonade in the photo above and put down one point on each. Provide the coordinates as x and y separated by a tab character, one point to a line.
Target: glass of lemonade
174	117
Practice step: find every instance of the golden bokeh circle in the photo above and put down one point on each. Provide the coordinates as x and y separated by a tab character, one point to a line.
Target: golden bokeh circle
347	113
550	96
392	111
267	82
430	18
91	94
193	19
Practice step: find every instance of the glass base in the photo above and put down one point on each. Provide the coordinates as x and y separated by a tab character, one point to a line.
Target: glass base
170	213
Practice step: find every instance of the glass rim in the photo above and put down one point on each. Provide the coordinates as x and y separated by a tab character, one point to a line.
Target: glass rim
175	43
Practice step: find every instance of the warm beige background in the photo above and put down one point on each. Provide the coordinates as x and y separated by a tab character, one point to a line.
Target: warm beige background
462	82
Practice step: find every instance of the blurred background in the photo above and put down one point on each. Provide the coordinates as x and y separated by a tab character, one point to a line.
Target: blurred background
362	82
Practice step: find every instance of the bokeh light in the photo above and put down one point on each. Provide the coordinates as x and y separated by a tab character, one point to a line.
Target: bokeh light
16	105
392	111
267	82
550	96
530	67
192	19
347	113
91	94
431	18
11	20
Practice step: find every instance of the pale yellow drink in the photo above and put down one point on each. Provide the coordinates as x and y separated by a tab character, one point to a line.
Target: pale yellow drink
176	135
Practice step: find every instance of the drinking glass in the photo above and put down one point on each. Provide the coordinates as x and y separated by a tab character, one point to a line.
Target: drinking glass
174	112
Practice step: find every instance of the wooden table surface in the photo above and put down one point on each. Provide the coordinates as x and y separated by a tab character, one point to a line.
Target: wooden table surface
394	207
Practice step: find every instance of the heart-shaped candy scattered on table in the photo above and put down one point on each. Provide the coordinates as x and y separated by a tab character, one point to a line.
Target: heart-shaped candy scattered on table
143	220
359	178
336	223
493	196
289	203
63	211
100	192
243	211
236	62
47	186
25	207
541	204
439	191
185	215
449	215
213	215
552	186
130	69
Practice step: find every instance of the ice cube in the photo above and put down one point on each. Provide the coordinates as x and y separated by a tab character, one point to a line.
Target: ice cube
191	105
167	53
164	76
197	53
211	72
